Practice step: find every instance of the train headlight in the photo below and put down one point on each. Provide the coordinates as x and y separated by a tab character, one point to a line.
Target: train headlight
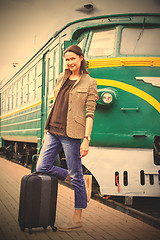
107	98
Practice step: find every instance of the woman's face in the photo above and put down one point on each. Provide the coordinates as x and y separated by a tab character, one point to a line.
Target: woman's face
73	61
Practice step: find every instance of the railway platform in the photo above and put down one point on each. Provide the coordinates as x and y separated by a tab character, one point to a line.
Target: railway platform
100	222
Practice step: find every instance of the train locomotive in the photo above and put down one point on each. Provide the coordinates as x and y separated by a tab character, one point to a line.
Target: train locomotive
123	54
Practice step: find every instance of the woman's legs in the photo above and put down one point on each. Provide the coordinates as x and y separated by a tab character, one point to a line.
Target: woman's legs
49	151
71	149
77	216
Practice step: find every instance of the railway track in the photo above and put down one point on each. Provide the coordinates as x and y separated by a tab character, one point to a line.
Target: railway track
144	209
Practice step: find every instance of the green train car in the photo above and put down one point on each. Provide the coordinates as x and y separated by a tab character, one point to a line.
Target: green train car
123	55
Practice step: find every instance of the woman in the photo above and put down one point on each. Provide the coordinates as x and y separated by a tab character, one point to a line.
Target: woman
69	121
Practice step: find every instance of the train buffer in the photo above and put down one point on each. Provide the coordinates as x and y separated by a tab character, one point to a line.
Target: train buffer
99	221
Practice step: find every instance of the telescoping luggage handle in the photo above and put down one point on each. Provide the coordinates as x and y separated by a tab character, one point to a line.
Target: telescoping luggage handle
34	160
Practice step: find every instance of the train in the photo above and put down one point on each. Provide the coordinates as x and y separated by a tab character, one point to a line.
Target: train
123	54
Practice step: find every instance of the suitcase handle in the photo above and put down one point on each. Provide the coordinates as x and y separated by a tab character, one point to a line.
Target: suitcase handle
40	173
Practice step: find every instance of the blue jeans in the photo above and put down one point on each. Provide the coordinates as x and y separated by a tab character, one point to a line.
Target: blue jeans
51	147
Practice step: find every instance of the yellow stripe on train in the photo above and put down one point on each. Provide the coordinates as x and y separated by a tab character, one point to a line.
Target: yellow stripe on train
131	89
124	62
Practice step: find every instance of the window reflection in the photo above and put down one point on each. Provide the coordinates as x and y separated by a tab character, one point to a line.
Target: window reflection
102	43
139	41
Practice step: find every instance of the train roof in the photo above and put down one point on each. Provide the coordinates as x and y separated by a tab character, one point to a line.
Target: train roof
109	17
106	16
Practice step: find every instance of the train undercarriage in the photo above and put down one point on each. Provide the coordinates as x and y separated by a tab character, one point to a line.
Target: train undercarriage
19	151
121	180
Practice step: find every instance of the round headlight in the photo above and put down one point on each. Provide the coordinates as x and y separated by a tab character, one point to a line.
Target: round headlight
107	98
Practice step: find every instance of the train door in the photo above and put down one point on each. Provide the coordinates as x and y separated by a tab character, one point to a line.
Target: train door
53	72
50	71
45	67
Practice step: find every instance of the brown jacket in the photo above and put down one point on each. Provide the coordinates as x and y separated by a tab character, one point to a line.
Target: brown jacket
82	103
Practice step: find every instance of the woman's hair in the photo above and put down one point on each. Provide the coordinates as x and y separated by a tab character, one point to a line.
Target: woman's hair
77	50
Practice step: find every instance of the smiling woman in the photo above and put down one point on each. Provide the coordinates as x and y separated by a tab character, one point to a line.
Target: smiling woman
73	62
65	131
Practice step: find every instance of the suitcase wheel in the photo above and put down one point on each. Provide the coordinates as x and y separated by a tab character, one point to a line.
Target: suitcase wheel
54	228
22	228
30	230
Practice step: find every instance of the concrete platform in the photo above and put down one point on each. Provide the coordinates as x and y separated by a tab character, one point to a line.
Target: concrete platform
100	221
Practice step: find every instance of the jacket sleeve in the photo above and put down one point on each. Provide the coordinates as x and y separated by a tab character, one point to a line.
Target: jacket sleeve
91	99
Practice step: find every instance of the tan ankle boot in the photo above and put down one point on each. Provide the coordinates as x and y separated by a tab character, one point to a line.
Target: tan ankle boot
88	185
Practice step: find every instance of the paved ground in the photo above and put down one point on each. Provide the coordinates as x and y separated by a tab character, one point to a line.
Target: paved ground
100	221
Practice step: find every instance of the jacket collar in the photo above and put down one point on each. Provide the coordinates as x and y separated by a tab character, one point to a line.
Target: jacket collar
66	76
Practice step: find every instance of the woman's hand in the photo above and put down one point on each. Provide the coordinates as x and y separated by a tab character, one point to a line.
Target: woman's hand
85	144
84	149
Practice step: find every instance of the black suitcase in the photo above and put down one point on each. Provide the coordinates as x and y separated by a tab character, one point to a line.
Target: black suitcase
38	199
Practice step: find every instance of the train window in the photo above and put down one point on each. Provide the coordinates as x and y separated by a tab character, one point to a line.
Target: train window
24	93
31	77
50	68
12	97
19	91
38	80
102	43
27	89
16	94
9	99
39	86
82	41
51	59
3	102
50	80
139	41
50	73
56	64
39	67
34	84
